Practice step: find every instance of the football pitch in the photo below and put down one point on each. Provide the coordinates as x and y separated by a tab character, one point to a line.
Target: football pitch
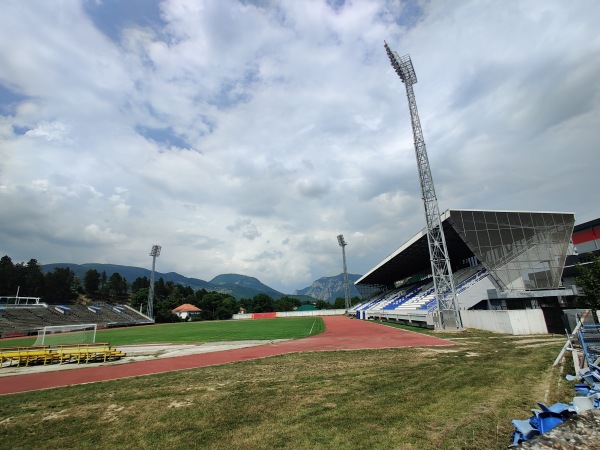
197	332
450	397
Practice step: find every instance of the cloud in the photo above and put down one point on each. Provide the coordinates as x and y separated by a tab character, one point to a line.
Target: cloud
245	228
94	233
245	136
51	131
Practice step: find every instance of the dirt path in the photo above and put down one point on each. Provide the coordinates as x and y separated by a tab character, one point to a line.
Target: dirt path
341	333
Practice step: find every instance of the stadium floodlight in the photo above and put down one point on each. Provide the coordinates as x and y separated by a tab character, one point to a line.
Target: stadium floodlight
443	281
155	253
343	244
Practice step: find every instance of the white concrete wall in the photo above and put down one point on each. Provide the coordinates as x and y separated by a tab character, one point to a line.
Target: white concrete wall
516	322
319	312
475	293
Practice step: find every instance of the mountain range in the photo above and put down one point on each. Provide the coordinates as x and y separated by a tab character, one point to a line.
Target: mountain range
236	285
330	288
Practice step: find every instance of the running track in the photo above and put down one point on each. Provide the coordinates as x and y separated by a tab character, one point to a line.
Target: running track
341	333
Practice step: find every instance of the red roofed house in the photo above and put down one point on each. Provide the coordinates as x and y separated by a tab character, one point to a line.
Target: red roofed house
186	311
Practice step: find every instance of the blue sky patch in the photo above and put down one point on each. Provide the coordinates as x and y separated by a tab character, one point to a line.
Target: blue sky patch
165	136
111	16
9	100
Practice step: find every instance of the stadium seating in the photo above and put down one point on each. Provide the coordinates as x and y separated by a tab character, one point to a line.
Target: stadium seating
24	320
416	299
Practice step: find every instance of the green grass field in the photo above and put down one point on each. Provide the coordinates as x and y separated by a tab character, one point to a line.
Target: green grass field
195	332
460	397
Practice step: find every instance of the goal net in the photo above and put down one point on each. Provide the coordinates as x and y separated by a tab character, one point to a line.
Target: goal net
67	334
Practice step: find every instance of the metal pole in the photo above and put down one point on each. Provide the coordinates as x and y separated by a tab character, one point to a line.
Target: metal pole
441	271
343	244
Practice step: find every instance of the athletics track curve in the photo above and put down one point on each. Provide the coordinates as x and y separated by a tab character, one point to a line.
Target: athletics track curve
342	333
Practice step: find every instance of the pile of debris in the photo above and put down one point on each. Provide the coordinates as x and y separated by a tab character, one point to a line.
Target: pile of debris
580	432
584	344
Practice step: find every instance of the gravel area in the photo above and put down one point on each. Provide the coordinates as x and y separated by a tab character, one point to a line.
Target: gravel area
580	432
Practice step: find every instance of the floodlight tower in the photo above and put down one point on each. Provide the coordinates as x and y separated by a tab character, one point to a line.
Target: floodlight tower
443	281
343	244
155	253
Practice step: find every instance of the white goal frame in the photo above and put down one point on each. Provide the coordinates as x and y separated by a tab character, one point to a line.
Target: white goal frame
84	333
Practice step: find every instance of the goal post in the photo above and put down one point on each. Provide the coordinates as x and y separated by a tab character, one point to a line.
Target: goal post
67	334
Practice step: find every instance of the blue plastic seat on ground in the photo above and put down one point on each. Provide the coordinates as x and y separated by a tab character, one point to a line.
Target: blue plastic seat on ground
582	389
558	408
547	420
523	431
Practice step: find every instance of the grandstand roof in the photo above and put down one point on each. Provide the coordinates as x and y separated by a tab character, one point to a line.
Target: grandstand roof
413	257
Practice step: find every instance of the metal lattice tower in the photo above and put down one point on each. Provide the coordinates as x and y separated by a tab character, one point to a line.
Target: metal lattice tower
343	244
155	253
443	281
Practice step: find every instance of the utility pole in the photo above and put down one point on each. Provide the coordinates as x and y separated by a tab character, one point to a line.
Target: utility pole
443	281
155	253
343	244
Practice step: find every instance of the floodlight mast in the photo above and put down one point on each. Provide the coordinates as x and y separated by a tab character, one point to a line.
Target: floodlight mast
443	281
155	253
343	244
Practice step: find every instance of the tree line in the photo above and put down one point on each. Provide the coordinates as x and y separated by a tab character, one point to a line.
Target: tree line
61	286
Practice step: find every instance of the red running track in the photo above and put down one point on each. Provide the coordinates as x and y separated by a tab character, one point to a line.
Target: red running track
341	333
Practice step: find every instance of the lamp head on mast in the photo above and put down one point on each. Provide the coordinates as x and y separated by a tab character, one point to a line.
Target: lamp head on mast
402	65
341	240
155	250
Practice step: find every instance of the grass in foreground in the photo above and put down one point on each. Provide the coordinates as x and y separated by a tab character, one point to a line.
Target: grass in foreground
460	397
195	332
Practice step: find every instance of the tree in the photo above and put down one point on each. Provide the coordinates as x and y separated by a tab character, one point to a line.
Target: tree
340	303
140	283
104	288
34	279
139	298
209	305
322	304
117	287
588	281
227	307
160	289
286	303
91	282
263	303
60	286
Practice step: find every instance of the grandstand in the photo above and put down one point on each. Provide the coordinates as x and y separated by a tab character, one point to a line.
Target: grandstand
501	260
18	318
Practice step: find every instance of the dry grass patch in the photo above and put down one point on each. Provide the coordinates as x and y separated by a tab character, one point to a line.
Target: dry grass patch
408	398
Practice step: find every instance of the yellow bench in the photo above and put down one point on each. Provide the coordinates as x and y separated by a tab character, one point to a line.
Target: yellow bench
97	352
26	355
88	352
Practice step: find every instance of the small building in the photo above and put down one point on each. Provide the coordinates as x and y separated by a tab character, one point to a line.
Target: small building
186	311
307	307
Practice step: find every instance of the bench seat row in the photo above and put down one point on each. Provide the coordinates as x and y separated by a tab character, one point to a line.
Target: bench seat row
86	353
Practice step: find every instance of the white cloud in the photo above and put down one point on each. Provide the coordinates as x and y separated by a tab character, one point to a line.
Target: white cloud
94	233
245	137
51	131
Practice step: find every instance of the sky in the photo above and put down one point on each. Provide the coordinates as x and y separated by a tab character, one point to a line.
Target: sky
243	136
